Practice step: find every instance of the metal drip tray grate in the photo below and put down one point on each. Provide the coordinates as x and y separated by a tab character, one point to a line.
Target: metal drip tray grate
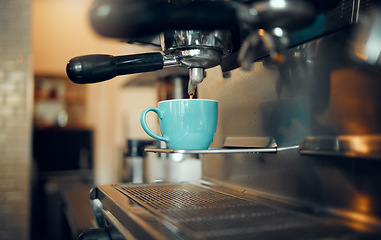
202	213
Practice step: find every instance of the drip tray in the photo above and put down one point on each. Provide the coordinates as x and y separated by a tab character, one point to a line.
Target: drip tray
198	212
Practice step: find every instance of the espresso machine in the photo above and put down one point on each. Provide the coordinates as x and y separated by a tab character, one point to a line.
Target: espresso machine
297	150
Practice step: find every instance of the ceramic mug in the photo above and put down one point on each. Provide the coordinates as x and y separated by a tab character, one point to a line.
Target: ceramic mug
187	124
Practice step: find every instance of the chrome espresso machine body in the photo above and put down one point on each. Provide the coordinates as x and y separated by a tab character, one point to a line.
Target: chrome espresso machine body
297	152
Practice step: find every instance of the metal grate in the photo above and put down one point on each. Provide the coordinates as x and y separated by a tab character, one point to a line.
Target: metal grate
347	12
201	213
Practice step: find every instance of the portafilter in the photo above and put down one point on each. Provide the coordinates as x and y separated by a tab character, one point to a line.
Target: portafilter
196	35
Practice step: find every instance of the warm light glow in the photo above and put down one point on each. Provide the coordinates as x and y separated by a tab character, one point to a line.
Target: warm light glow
358	221
351	98
360	217
261	32
362	202
361	146
359	52
278	57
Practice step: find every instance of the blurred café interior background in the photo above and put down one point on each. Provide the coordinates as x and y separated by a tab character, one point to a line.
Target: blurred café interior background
58	139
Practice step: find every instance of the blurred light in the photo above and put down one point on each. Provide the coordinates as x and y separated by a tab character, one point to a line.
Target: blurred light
361	146
104	10
278	3
253	12
278	32
261	32
177	157
359	52
362	203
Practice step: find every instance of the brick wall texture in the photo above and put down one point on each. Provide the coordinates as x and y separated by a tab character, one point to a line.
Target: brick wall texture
16	86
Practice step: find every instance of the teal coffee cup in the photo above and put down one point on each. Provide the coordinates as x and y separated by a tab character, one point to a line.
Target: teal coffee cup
187	124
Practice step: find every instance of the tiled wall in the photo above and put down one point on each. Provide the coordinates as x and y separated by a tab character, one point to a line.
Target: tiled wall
15	118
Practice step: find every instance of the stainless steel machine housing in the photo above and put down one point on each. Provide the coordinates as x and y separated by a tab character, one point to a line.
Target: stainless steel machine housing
321	106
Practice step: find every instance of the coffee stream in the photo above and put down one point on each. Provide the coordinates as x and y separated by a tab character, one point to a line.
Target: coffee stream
191	94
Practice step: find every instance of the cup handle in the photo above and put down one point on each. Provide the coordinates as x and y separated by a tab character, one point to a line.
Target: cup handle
143	122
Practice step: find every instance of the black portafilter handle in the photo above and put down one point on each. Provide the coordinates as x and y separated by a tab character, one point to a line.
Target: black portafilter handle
100	67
